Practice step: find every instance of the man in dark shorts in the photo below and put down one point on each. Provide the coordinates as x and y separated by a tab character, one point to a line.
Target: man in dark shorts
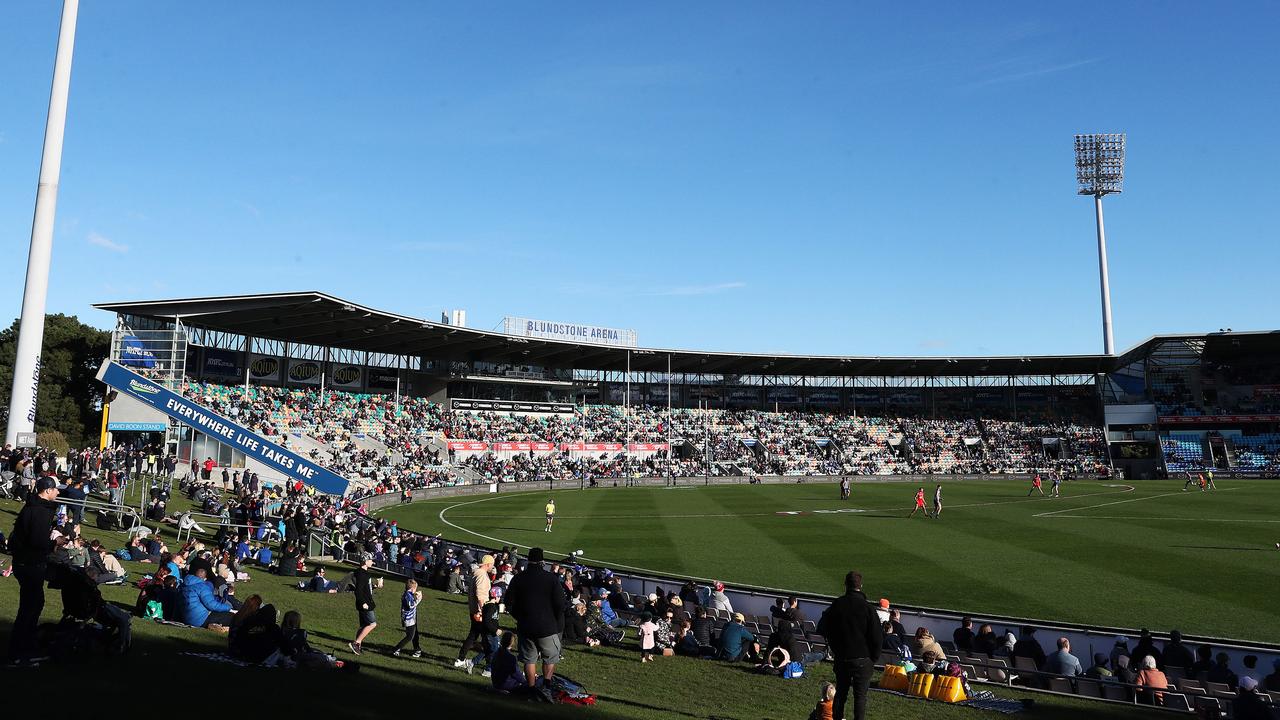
364	603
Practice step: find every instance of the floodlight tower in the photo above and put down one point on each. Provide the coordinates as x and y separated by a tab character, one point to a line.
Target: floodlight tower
1100	171
26	365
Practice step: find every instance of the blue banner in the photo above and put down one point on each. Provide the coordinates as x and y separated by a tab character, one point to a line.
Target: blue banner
221	429
133	352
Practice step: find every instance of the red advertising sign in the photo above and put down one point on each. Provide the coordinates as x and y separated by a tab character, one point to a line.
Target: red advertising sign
591	447
468	445
524	446
648	447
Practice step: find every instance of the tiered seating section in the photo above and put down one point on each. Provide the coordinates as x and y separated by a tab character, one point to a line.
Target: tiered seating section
369	436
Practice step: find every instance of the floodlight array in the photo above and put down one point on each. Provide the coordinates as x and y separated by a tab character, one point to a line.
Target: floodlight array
1100	163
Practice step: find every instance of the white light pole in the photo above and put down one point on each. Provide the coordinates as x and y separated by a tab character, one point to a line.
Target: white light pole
26	366
1100	171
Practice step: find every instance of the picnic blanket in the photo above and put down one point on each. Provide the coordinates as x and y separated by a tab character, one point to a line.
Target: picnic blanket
1001	705
222	658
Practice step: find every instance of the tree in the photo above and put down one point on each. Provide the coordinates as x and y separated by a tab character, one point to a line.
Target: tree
70	397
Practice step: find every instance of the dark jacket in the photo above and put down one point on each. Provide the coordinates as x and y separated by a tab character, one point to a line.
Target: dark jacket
30	543
536	600
851	628
364	589
575	629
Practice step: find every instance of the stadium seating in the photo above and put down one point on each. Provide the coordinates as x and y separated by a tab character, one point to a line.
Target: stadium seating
371	436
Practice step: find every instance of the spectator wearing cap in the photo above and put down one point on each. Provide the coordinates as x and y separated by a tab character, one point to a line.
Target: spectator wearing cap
882	610
365	605
1121	647
1247	705
30	544
479	595
1099	669
854	636
537	602
1028	647
737	642
607	613
1176	654
718	600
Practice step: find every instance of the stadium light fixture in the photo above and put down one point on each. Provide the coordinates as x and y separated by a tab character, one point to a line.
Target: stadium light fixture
1100	171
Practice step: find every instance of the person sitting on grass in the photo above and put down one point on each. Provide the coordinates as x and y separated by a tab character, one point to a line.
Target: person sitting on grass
575	626
319	584
254	635
826	698
611	617
663	641
295	646
737	642
200	606
686	642
506	675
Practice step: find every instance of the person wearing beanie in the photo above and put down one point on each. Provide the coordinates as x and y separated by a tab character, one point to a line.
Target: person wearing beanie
1247	705
1099	670
30	544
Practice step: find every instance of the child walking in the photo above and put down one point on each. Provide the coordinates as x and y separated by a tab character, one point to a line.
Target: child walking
647	631
409	614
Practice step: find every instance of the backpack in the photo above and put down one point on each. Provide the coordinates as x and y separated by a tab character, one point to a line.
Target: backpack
793	670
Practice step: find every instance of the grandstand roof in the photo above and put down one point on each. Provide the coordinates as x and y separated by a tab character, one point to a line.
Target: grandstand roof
316	318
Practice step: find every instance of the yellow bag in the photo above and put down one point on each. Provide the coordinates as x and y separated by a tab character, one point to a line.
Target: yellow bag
920	684
947	689
893	678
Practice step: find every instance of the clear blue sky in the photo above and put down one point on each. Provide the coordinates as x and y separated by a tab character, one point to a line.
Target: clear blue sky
822	178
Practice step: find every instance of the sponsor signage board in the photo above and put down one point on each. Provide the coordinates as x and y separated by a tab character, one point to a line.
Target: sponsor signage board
26	439
506	406
304	372
342	375
129	383
381	378
264	368
569	332
134	352
221	363
467	445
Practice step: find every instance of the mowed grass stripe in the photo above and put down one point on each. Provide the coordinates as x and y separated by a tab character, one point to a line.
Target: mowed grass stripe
988	553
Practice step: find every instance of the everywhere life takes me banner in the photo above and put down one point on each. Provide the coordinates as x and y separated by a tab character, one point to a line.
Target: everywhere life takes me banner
219	428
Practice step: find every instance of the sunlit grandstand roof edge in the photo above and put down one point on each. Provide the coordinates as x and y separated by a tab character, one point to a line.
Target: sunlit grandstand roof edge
318	318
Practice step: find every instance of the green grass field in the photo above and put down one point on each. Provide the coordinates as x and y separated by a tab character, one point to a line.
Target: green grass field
1103	554
670	688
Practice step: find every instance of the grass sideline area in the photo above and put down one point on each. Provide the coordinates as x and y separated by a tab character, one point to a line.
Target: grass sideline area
669	688
1107	553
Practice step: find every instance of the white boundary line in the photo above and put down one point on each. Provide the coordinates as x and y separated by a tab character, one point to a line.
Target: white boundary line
1117	502
784	513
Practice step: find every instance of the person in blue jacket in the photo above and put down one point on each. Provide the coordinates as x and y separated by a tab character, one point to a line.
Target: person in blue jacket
737	642
607	612
201	607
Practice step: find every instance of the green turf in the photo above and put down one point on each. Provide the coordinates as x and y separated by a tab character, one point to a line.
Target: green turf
1205	563
670	688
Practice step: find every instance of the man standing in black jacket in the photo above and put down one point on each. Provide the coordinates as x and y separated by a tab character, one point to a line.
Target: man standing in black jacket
31	543
853	633
536	600
364	603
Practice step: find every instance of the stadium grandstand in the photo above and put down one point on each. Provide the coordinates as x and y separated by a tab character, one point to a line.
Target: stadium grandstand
395	401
